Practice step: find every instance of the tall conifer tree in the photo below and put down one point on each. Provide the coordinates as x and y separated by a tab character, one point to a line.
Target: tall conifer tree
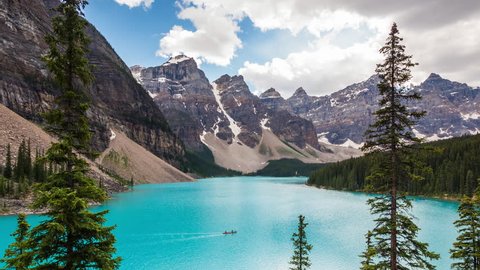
71	237
466	250
8	171
18	254
300	259
395	233
368	254
20	165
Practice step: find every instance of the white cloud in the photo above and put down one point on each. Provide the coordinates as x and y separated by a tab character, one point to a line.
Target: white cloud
453	51
135	3
442	35
321	70
214	41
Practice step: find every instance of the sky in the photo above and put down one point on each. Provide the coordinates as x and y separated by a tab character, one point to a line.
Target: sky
322	46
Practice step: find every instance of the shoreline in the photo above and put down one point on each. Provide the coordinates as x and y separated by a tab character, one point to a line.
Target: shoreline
22	206
445	197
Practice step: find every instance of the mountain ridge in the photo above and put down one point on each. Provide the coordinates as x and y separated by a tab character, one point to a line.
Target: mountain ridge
341	118
117	100
228	119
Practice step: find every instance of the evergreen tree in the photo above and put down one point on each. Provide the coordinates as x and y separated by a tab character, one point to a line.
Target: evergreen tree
28	161
469	183
18	255
467	247
3	186
395	233
368	254
8	171
20	164
300	259
71	237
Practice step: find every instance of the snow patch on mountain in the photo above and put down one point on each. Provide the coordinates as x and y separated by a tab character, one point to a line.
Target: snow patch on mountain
236	129
263	123
112	135
351	144
152	95
177	59
137	73
468	116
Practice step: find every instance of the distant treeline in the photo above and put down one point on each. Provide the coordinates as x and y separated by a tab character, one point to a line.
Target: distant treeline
288	167
448	167
202	163
18	174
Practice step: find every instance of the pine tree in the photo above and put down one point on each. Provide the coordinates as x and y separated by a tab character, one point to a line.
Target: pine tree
467	247
300	259
39	171
19	171
8	171
469	183
71	237
395	233
18	255
368	254
3	186
28	162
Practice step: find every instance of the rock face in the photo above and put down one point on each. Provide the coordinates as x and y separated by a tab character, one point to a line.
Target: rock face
242	106
453	109
253	114
228	119
117	99
274	101
184	95
193	107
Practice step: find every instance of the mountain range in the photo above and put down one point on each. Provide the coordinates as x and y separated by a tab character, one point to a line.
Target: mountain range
240	129
228	119
173	110
452	110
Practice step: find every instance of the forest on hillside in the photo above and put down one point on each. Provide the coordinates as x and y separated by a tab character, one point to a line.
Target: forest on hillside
449	167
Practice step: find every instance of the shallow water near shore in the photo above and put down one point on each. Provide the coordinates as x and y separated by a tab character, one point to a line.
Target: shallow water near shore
180	225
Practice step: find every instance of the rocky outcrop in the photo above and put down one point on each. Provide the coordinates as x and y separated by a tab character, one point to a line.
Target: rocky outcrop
117	99
300	102
193	107
452	108
242	106
184	95
274	101
253	114
241	130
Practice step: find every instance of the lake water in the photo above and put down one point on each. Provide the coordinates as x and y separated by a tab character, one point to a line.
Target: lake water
179	226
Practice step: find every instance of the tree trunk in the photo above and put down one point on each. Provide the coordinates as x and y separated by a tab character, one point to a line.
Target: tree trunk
393	152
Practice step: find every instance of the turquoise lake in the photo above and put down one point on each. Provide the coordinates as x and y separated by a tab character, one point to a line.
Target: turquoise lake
180	225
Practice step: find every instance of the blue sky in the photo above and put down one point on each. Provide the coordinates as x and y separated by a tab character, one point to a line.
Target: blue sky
320	45
134	33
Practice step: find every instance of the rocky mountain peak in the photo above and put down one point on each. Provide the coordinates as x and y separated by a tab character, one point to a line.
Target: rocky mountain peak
434	76
184	95
180	59
232	83
435	82
270	93
300	92
375	78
